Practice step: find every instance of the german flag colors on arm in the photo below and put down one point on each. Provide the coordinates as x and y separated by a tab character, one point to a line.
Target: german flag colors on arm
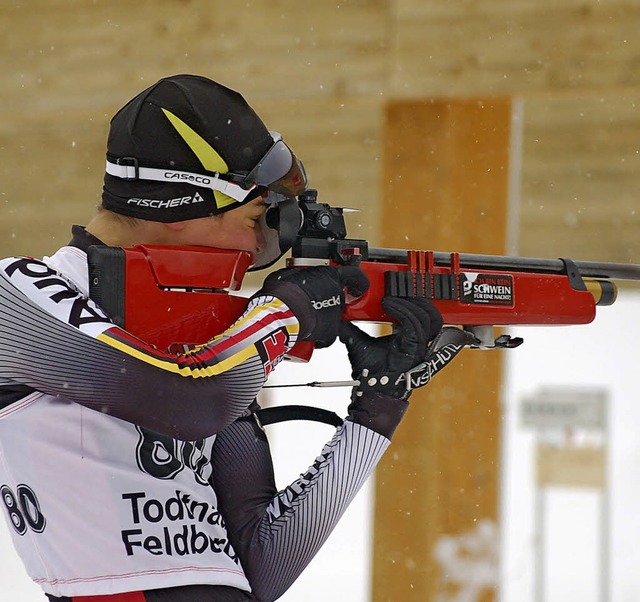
268	329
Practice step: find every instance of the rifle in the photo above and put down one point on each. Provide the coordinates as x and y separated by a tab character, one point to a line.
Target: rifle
187	295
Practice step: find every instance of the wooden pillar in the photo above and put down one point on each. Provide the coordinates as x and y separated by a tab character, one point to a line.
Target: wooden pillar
445	188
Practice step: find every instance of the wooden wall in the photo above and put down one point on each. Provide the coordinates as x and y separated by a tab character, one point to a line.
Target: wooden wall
321	73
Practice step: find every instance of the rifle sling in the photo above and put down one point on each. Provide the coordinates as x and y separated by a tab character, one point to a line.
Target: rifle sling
277	414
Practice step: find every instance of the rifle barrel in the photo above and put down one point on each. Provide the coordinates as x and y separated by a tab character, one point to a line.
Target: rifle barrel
470	261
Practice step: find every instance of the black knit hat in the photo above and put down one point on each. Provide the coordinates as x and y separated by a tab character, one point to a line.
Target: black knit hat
188	147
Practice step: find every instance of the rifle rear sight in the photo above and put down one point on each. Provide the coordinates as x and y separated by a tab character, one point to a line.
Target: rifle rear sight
323	233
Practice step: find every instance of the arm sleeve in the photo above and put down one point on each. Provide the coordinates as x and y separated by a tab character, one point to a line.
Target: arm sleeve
56	341
277	534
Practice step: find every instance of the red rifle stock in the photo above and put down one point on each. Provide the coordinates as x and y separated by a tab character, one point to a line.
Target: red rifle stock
169	295
187	295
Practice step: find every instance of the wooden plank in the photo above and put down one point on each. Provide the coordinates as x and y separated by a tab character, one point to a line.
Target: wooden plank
445	187
51	169
76	54
580	176
462	48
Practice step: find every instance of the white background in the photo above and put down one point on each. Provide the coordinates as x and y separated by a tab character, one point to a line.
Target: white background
603	355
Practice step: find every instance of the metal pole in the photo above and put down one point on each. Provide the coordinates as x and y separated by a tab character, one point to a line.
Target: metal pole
540	528
605	510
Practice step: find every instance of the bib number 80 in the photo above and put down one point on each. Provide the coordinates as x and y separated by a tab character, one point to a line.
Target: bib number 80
23	509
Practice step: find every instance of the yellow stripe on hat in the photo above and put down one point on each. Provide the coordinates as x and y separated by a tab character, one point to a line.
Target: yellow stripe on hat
207	155
223	200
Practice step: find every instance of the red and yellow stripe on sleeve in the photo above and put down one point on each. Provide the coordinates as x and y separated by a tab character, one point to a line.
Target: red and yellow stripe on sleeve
224	352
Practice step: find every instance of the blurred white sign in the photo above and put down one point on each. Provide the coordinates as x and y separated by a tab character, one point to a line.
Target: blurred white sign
558	408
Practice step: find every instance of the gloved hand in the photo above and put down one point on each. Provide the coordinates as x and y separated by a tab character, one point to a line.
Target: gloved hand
380	363
388	368
316	297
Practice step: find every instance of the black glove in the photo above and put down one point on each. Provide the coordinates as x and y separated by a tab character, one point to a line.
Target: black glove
388	368
380	363
316	297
